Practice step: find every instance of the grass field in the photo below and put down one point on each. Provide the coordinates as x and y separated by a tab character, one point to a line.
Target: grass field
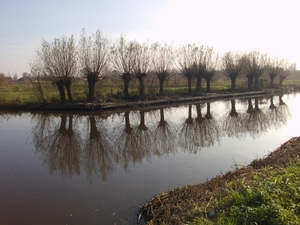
111	90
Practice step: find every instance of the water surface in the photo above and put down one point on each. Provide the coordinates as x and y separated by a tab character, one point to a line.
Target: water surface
97	168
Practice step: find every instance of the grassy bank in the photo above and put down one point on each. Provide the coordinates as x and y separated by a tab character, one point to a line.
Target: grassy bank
267	191
24	95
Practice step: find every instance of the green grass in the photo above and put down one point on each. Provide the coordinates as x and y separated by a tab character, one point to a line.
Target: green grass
23	94
270	197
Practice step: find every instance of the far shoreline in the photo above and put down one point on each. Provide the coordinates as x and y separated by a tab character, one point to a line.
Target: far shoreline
146	104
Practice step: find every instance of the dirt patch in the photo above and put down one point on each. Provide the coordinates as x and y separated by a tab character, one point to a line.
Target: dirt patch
173	206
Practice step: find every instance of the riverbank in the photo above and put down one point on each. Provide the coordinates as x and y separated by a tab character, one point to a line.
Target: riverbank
136	104
219	200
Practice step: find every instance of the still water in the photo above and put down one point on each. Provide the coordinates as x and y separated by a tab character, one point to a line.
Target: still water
98	168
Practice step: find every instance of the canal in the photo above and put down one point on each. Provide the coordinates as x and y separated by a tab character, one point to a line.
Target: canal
98	167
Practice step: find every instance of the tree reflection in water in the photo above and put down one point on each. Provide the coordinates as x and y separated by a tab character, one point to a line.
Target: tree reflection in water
232	124
164	136
277	115
134	144
254	121
98	154
101	145
61	146
201	132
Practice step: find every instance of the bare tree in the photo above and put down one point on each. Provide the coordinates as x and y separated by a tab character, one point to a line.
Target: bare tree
232	66
162	63
143	64
208	65
57	61
199	67
255	65
186	63
123	60
274	68
287	70
94	59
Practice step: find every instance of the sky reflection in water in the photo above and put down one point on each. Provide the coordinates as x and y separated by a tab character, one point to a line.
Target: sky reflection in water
97	168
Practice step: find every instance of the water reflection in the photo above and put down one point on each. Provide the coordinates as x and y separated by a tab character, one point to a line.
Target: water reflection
71	144
164	135
98	155
60	145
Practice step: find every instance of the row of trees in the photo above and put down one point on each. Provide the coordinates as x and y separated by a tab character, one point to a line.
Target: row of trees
95	57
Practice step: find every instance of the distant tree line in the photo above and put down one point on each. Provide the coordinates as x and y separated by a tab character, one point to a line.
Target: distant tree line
96	57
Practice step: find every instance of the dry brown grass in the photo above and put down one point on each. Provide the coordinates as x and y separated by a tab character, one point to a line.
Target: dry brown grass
175	206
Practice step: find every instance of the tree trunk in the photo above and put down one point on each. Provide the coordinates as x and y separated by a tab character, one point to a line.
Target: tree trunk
142	90
94	133
256	83
256	108
199	118
161	86
208	113
60	86
126	89
142	125
189	120
250	106
126	79
128	128
272	106
63	123
189	85
250	81
272	82
272	77
198	84
233	112
92	79
233	81
162	121
68	87
70	126
208	84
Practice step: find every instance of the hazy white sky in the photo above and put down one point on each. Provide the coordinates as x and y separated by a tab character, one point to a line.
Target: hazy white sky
269	26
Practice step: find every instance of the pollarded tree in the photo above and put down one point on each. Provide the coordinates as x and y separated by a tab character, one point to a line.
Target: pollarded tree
94	58
274	68
199	67
57	61
123	60
162	62
142	64
207	64
186	63
255	65
284	74
232	66
288	68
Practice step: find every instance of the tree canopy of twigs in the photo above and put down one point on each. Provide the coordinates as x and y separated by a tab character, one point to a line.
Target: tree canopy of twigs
163	62
94	55
61	60
57	61
232	66
142	64
123	61
186	62
255	64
